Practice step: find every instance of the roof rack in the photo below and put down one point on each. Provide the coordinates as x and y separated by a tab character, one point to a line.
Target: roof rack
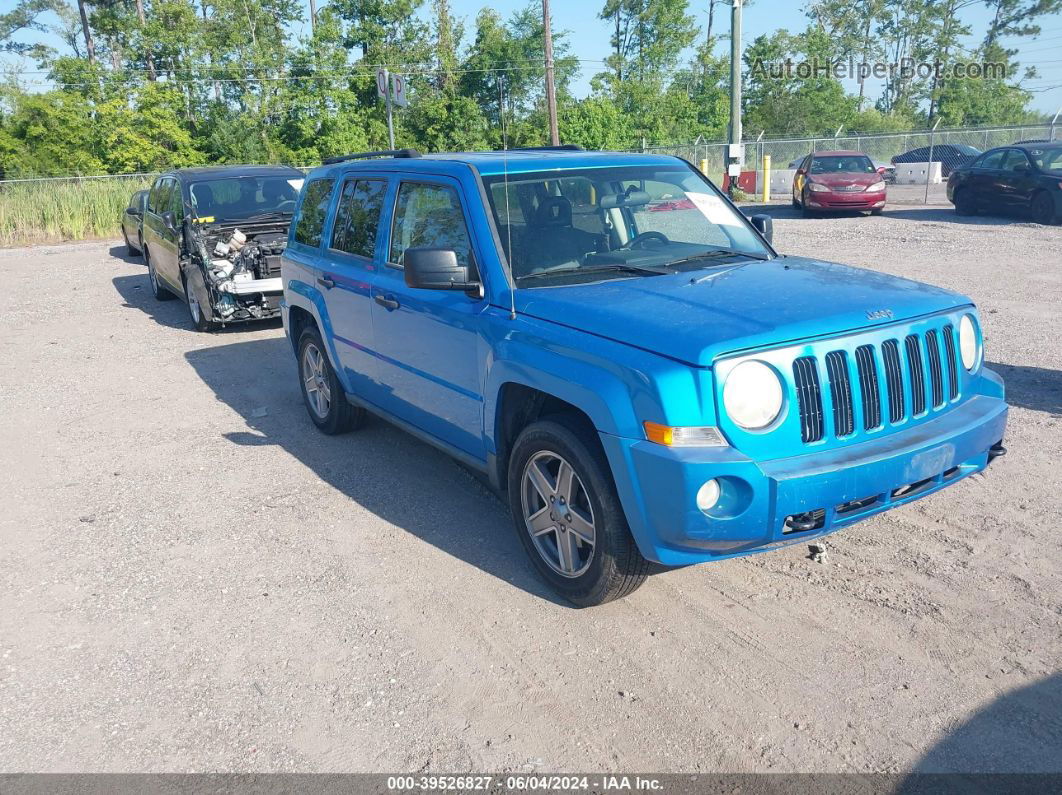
557	148
363	155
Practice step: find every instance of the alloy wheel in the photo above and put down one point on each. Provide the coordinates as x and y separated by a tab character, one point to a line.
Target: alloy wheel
558	514
315	381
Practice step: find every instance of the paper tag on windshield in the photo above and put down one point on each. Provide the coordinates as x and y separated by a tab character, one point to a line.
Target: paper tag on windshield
713	209
296	183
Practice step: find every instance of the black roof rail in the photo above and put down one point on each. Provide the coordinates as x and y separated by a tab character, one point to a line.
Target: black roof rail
363	155
557	148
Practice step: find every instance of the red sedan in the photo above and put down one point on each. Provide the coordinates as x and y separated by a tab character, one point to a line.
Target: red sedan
838	181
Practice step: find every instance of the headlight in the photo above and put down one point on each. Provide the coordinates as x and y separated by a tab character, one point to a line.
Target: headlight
752	395
969	343
877	186
817	187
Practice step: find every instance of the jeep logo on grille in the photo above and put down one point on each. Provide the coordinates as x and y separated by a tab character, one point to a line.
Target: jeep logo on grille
880	314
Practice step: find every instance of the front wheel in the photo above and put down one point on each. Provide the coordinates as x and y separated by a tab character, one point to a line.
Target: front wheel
195	310
568	516
322	393
1043	209
157	289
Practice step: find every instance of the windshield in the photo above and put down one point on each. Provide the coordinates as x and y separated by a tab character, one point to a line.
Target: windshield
842	164
244	197
1047	158
589	224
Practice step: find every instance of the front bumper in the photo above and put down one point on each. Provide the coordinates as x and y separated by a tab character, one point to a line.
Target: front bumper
817	493
846	201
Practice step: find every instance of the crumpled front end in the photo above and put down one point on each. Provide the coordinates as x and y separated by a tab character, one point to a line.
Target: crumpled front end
240	269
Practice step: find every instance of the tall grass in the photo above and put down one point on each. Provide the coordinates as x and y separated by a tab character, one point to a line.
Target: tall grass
48	212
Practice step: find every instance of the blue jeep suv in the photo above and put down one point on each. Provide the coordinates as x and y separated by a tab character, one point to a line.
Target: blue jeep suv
625	355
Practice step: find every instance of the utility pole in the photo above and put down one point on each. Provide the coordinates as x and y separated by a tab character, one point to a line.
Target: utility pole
734	159
551	94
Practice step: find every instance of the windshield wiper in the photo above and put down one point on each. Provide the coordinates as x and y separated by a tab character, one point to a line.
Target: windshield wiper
266	215
621	267
713	254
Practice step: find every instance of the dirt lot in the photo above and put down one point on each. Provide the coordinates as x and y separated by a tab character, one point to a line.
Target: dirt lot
193	579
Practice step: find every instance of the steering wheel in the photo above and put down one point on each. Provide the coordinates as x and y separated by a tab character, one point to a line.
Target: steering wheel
646	236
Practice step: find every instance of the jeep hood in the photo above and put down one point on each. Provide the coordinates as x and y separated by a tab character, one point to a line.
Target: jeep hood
697	316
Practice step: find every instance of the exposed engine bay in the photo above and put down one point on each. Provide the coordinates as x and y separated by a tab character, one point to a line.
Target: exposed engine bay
240	265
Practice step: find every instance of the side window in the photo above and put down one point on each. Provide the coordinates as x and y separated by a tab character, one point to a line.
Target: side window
157	195
312	214
429	216
358	216
177	201
992	159
1013	159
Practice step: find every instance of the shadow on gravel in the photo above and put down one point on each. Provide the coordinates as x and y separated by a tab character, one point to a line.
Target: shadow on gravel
122	253
1035	388
948	215
1018	733
398	478
136	292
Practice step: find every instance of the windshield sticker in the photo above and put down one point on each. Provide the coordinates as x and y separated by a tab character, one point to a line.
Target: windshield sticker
205	219
296	183
712	208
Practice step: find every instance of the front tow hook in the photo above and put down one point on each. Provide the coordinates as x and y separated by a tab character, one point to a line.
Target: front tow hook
996	451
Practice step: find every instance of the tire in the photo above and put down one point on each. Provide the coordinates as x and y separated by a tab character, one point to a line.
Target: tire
326	403
964	202
129	250
158	289
600	561
140	242
1042	209
796	204
877	211
200	322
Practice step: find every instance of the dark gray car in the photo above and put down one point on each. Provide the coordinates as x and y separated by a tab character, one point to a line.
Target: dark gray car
132	218
213	236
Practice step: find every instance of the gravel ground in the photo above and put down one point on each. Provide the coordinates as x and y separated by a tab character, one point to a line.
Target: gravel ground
193	579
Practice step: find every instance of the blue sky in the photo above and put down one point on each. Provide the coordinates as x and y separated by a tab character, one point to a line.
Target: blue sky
589	35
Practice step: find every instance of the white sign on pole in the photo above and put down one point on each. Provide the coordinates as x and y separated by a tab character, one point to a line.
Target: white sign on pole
381	83
398	90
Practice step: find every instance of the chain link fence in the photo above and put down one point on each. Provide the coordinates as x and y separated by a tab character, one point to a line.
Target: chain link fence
905	157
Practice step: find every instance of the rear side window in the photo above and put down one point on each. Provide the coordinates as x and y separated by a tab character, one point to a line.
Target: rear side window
358	216
310	223
429	216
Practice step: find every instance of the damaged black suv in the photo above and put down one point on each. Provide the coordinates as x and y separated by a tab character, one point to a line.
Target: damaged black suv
214	237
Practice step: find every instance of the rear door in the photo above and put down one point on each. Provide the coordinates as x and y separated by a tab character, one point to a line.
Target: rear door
429	341
353	255
983	180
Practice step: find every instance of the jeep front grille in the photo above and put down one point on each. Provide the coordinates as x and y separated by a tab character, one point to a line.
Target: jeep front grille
872	385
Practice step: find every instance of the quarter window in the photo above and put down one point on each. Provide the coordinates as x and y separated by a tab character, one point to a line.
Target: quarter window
358	216
312	214
429	216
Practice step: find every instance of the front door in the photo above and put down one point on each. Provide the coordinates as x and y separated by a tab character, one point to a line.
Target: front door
429	341
983	180
1017	181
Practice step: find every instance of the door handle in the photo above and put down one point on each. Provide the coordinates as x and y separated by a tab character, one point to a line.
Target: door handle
386	301
327	283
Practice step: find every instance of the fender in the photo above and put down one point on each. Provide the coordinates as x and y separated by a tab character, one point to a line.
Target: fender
307	297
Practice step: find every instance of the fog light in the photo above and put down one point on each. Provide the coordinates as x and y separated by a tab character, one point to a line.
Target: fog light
708	495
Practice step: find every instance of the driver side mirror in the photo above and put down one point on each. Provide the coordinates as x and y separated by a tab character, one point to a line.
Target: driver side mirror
435	269
170	220
765	226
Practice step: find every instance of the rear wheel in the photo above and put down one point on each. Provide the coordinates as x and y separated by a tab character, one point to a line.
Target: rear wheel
322	393
568	516
1042	209
964	202
877	211
128	246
